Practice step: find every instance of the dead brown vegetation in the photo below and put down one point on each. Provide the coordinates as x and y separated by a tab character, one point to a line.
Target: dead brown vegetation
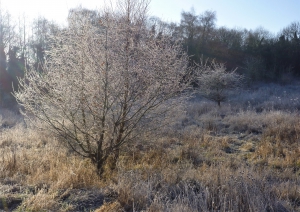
243	160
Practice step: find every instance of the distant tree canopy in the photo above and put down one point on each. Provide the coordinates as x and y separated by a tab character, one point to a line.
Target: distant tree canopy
21	48
258	54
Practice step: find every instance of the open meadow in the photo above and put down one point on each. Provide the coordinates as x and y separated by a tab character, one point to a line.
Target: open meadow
243	156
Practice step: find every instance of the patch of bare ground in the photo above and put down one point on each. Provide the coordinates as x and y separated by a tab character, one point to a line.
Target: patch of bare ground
232	158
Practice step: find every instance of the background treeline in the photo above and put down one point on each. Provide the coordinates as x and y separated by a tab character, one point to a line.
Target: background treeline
21	47
258	54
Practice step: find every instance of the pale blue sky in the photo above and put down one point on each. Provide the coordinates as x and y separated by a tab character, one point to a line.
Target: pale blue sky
270	14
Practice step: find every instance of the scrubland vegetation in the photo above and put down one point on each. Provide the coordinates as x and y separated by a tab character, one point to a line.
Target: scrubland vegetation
243	156
117	117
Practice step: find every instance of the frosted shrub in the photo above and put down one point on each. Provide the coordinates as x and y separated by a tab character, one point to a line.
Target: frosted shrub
215	82
106	82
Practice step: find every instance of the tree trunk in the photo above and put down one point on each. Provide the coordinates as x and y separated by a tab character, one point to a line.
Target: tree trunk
115	159
100	166
111	158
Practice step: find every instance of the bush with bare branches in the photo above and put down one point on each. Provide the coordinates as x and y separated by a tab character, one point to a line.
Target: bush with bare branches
106	82
215	82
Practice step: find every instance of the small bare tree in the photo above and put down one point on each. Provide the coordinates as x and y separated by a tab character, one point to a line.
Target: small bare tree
215	82
106	83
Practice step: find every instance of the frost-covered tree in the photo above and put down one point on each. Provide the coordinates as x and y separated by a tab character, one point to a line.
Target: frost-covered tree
106	84
215	82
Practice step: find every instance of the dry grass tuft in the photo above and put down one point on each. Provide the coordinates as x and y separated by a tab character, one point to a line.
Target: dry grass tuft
279	145
110	207
32	158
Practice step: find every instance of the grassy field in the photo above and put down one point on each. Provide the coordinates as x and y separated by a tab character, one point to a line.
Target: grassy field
244	156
